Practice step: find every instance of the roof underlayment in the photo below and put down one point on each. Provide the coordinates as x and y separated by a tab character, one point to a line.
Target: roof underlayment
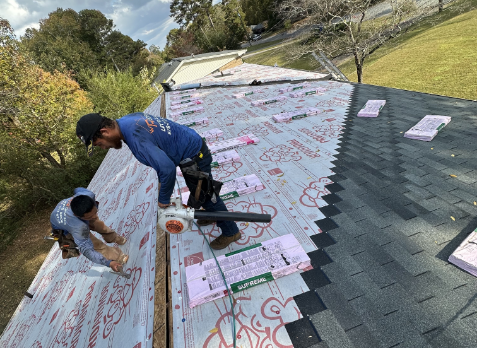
293	161
390	211
79	304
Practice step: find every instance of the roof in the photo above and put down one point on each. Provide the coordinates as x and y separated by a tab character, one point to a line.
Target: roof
167	70
397	209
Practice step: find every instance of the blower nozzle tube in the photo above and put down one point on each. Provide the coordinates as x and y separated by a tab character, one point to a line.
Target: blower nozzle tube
231	216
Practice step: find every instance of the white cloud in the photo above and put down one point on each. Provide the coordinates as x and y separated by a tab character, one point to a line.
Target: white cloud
147	20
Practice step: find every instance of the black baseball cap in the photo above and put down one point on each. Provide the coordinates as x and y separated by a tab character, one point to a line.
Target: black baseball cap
86	127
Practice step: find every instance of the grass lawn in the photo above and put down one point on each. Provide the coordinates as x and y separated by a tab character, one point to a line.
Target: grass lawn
438	56
256	45
281	58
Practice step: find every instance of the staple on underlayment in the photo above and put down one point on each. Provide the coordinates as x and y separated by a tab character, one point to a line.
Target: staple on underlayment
245	268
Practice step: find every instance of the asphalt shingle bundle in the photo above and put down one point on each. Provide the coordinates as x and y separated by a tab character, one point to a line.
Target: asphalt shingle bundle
397	209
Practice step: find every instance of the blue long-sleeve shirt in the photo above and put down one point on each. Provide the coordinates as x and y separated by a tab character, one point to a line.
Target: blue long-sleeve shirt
160	144
62	218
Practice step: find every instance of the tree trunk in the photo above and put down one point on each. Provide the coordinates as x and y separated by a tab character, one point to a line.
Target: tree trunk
212	23
359	67
50	159
62	158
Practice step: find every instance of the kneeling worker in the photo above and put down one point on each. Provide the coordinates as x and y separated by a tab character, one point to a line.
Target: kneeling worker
163	145
72	220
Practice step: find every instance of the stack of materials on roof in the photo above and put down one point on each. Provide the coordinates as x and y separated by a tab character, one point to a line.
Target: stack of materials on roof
245	268
241	186
293	88
465	256
242	94
176	105
233	143
234	188
188	91
293	115
268	101
189	111
183	96
225	157
211	134
308	91
371	108
220	159
427	128
197	122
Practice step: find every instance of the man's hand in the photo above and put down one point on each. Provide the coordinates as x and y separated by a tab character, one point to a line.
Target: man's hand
161	205
116	266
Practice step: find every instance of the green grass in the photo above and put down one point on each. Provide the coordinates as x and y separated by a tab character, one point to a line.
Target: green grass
437	55
280	56
256	46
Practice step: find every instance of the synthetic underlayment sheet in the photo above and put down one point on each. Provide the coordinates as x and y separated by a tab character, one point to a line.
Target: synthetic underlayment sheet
292	160
79	304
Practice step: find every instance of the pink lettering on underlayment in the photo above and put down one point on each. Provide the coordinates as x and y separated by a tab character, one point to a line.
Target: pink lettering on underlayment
272	127
306	150
97	318
84	310
313	135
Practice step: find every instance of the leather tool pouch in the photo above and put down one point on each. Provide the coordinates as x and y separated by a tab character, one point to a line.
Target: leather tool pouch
67	246
204	186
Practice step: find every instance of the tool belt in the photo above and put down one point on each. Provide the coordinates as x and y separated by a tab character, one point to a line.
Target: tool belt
206	188
67	245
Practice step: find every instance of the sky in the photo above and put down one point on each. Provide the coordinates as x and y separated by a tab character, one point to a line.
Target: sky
146	20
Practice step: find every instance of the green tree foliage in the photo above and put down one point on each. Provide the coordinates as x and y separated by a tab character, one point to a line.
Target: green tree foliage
186	12
181	43
257	11
115	94
229	28
79	41
40	157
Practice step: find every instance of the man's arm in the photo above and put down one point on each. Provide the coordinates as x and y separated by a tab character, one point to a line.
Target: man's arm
165	168
85	246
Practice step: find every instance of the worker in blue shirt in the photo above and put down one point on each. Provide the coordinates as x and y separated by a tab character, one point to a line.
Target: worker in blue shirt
161	144
72	220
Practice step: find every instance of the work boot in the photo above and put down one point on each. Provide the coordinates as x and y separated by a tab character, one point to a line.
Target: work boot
202	222
221	242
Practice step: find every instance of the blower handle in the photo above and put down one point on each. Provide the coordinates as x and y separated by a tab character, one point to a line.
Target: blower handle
231	216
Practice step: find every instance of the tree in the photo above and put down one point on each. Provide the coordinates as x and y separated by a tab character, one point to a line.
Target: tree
118	93
180	43
38	113
83	41
343	26
185	12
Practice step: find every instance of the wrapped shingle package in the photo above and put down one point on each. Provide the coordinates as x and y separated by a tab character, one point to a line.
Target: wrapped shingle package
245	268
427	128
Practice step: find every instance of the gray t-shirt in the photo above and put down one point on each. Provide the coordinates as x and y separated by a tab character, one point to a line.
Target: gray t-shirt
62	218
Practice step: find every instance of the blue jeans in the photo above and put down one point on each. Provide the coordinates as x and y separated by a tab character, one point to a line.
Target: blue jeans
229	228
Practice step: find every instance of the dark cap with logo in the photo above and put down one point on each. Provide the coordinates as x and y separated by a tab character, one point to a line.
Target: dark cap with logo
86	128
